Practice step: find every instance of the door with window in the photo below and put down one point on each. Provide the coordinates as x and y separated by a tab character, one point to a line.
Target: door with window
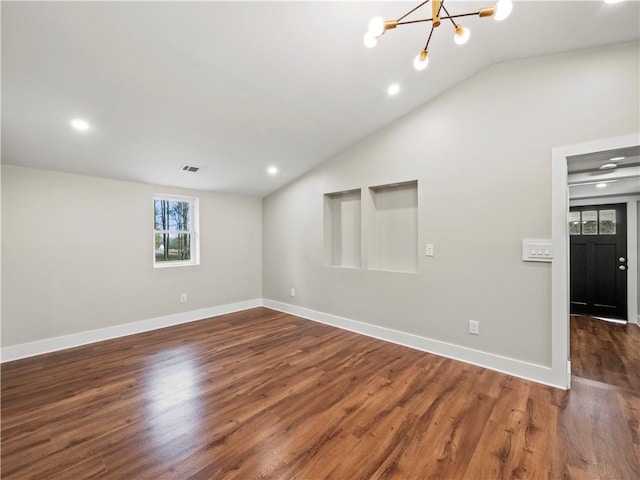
599	260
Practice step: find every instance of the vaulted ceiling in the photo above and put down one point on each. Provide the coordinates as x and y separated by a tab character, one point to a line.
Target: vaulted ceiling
236	87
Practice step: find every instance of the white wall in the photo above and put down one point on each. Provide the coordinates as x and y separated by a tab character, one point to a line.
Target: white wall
481	154
77	254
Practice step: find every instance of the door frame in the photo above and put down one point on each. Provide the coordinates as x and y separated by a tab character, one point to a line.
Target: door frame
560	358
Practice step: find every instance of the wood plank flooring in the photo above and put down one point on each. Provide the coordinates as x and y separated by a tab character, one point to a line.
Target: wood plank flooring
606	352
261	394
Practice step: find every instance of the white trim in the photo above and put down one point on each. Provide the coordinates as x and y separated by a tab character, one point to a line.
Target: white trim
510	366
15	352
560	238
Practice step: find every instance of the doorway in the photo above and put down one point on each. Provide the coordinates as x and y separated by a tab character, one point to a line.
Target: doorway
586	179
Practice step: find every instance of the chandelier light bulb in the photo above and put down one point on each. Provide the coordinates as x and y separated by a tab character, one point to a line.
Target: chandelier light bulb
503	9
421	61
369	40
376	27
462	35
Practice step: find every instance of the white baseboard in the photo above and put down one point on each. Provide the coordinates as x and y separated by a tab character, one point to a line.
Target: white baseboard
510	366
23	350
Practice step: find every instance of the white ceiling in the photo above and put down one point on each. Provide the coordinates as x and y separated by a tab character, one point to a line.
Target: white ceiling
235	87
585	173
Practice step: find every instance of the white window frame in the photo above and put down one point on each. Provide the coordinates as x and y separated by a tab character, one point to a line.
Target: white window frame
194	232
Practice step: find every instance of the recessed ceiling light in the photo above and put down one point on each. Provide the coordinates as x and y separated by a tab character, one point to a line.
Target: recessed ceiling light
601	185
393	89
617	159
272	170
79	124
612	1
608	166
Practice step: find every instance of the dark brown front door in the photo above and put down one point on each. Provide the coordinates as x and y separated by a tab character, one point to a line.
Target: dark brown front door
599	260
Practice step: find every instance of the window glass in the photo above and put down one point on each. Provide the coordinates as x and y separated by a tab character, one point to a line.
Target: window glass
607	224
590	222
171	215
173	247
574	223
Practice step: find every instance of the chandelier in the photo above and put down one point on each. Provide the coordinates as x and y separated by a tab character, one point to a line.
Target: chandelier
378	26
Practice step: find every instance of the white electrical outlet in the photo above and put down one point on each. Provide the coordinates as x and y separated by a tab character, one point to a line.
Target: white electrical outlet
429	250
474	327
293	292
183	298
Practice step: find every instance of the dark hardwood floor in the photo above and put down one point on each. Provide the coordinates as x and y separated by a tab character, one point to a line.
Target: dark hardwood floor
606	352
261	394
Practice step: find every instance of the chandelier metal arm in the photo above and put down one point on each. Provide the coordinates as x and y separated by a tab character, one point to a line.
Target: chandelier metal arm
413	10
426	46
448	15
423	20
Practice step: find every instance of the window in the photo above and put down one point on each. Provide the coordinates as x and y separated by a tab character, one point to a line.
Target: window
607	224
175	231
592	222
574	223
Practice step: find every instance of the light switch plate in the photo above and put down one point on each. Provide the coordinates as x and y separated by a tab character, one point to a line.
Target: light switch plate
428	251
537	250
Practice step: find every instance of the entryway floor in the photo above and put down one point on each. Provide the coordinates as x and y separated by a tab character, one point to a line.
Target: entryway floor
606	352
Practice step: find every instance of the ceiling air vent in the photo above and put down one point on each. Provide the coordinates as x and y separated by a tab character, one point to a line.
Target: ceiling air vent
189	168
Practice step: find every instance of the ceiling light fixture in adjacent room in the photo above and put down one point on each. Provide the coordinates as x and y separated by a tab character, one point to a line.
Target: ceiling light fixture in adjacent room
79	124
272	170
608	166
378	26
393	89
601	185
616	159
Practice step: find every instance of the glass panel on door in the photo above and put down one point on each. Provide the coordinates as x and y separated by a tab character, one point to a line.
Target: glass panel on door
607	223
590	222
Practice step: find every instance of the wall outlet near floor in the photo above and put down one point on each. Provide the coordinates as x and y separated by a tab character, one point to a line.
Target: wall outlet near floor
293	292
474	327
183	298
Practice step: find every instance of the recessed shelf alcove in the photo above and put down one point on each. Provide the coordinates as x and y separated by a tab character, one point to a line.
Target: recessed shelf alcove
342	229
394	226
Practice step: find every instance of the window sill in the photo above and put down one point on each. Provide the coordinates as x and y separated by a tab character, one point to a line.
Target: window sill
175	264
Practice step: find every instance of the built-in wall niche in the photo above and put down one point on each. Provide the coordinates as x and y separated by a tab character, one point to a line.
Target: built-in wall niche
342	229
394	240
